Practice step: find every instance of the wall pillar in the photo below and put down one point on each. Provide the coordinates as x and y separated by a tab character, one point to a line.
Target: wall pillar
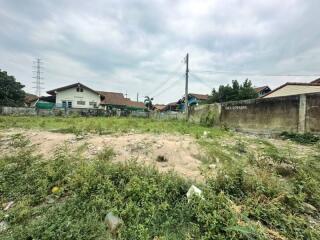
302	113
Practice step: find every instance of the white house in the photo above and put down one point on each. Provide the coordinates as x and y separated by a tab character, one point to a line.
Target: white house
76	96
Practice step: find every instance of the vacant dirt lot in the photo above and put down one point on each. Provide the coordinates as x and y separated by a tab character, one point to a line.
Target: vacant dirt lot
178	152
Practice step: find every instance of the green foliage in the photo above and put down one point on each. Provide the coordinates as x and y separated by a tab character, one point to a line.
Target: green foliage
244	197
233	93
240	147
11	93
19	141
306	138
148	102
103	125
208	119
106	154
152	205
266	199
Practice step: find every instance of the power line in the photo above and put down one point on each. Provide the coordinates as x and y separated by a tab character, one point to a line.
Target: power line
199	79
170	76
169	86
255	74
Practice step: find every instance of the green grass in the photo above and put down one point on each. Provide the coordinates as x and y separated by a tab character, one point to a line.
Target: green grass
247	198
151	205
306	138
103	125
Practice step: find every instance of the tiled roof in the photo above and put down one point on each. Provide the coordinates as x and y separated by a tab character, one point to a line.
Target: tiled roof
113	98
172	104
292	83
130	103
160	106
259	89
30	98
316	81
200	96
53	91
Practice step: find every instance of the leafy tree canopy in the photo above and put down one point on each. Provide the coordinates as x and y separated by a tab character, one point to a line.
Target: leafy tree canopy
234	92
148	102
11	93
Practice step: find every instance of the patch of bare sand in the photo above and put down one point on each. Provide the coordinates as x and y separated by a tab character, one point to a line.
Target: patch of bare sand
179	150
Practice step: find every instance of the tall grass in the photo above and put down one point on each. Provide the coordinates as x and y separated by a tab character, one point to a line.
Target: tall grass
103	125
152	205
67	197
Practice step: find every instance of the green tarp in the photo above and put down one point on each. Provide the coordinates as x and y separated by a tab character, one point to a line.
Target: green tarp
44	105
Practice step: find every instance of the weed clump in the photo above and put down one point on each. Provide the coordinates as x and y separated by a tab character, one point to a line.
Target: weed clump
67	197
306	138
19	141
248	197
106	154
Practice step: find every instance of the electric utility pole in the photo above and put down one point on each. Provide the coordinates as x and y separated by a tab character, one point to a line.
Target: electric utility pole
137	97
37	65
186	105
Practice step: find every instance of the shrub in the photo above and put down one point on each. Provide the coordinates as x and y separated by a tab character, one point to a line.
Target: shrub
241	202
306	138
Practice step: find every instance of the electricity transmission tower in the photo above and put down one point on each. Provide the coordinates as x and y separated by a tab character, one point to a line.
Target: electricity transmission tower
37	66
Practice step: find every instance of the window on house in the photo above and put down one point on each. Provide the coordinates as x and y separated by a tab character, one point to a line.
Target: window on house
79	89
64	104
81	102
94	104
69	104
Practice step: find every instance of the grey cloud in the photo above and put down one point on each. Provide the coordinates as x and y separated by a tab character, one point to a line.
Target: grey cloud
131	45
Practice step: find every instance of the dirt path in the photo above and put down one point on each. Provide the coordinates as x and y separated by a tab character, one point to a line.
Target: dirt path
178	150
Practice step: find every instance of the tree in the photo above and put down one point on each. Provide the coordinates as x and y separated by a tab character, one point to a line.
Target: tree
233	93
148	102
11	93
247	91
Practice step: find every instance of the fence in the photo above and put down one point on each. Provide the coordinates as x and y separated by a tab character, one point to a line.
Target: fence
167	115
18	111
299	113
26	111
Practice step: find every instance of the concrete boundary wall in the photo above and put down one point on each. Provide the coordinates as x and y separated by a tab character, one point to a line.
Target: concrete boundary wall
24	111
298	113
312	123
167	115
207	114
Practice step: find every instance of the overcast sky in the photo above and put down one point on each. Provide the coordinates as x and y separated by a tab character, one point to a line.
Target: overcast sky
139	45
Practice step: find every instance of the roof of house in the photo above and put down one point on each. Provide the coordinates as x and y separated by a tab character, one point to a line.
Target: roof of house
113	98
200	96
30	98
48	98
160	106
259	89
313	83
134	104
172	104
53	91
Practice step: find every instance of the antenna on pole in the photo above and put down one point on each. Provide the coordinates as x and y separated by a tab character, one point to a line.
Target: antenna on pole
37	66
